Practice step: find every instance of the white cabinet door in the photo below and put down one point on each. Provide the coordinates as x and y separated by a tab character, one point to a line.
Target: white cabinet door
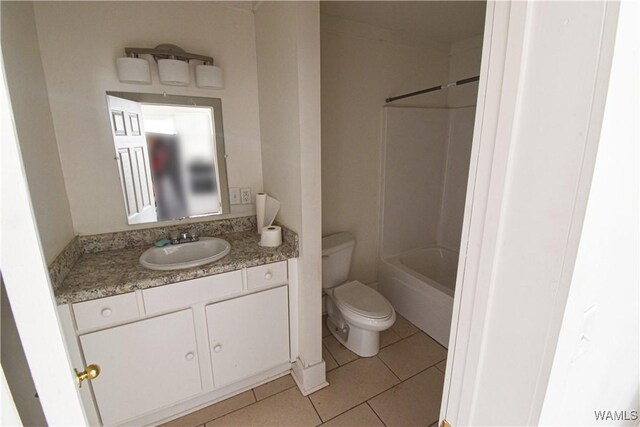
248	335
144	365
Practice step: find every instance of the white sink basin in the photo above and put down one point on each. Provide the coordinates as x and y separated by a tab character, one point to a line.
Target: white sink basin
185	255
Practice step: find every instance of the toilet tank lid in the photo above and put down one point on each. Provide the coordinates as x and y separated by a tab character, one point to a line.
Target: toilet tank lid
336	242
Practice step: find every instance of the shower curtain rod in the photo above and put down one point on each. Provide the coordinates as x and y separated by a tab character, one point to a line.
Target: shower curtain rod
433	89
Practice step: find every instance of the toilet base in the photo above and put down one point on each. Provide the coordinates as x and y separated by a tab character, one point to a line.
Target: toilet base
362	342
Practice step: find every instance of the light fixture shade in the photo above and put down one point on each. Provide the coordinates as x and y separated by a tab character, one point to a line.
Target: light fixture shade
209	77
173	72
133	70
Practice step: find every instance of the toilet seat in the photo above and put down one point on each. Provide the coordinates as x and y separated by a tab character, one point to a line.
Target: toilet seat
362	300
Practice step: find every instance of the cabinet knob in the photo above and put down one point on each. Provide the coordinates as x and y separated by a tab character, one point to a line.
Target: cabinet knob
89	373
106	312
189	356
268	275
217	348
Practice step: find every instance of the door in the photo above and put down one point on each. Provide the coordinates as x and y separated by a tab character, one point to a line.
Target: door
145	365
132	156
28	286
248	335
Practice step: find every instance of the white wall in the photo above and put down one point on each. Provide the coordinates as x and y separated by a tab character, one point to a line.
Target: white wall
79	42
603	374
30	102
456	173
288	51
426	166
361	66
464	62
414	159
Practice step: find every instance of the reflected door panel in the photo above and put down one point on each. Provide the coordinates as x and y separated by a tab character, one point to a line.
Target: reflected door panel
133	160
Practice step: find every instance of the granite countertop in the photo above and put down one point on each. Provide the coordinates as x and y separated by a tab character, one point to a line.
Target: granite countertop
113	272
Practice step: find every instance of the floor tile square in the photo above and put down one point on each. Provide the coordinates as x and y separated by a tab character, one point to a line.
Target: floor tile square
360	416
415	402
351	385
339	352
412	355
288	408
403	327
214	411
329	361
442	366
274	387
388	337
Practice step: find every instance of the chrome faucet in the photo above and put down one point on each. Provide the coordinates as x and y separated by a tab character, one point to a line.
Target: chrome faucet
183	237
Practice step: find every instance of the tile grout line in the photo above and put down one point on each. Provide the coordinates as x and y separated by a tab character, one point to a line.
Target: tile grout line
368	399
235	410
389	368
315	409
376	414
425	369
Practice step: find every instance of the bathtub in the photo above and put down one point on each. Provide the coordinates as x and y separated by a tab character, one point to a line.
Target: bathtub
420	284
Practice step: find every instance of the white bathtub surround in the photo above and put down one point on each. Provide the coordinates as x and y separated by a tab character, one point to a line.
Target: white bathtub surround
420	285
426	163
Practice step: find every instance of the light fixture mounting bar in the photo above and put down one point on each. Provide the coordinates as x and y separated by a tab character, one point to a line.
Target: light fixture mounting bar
167	51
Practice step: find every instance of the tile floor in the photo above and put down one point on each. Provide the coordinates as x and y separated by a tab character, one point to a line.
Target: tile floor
401	386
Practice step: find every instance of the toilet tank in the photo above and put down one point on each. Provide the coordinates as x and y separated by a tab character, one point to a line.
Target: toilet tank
336	258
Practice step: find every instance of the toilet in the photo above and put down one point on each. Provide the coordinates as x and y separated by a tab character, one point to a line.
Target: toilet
356	313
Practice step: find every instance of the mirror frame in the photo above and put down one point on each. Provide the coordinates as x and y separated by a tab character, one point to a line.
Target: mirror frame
194	101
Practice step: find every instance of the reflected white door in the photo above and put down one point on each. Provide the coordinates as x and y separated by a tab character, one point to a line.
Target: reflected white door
132	156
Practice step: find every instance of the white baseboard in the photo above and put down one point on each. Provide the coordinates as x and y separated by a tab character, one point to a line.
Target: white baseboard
310	378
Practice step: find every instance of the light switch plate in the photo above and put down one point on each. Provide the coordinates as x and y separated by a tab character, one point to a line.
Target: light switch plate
234	195
245	195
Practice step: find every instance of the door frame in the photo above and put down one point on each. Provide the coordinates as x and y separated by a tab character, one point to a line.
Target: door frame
499	72
503	70
27	282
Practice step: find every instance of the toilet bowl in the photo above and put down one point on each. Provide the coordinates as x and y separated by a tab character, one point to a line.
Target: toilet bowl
356	313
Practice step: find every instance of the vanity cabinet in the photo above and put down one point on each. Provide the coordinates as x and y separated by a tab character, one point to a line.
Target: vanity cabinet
248	335
168	349
145	365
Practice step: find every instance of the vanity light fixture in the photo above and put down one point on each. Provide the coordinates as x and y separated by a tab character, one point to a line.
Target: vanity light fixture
133	70
173	72
173	67
209	77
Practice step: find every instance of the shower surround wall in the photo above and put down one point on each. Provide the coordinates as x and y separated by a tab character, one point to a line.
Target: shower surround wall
426	164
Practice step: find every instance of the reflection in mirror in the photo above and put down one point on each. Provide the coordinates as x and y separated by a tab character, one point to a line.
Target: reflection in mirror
170	155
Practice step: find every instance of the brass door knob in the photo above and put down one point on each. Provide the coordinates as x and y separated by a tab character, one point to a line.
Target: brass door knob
89	373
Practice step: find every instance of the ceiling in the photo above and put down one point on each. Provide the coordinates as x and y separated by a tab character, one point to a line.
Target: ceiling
441	21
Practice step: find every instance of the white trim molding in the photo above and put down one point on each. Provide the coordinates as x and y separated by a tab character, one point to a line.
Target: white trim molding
309	378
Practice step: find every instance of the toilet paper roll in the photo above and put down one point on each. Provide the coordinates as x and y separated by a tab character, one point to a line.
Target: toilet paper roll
271	209
271	236
261	201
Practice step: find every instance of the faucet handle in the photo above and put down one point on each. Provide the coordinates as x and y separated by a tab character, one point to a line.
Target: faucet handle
174	237
194	237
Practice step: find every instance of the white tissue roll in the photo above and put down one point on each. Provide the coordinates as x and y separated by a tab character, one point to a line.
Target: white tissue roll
271	236
270	211
261	202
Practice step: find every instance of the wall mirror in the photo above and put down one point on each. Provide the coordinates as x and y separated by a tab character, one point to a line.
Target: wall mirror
170	155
